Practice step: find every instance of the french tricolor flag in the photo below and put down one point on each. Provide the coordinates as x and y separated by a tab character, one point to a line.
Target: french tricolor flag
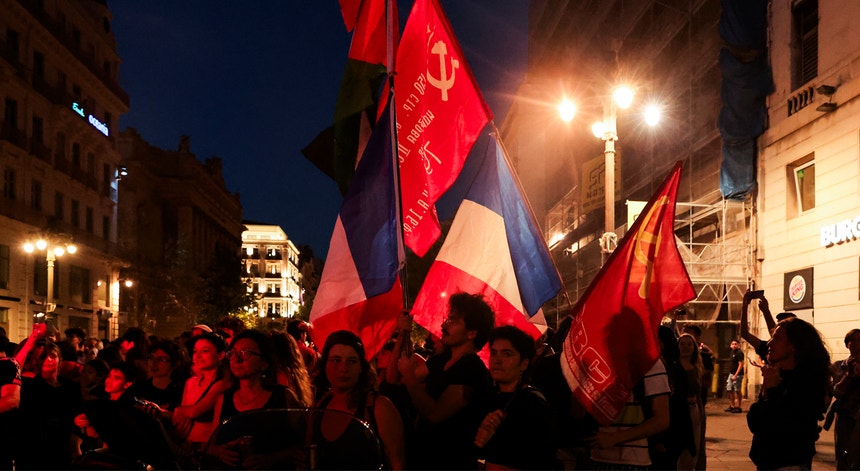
493	248
360	290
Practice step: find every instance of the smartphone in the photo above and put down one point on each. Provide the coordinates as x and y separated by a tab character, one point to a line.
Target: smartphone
758	293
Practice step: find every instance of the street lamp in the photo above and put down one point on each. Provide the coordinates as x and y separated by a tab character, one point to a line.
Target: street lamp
52	252
622	97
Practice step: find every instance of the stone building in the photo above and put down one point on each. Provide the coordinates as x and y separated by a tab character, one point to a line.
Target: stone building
61	102
176	216
271	271
809	167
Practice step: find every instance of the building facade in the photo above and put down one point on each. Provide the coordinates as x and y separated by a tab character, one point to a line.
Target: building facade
809	167
177	221
61	103
271	271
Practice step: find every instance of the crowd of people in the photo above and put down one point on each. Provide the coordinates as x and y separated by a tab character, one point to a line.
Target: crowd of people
439	407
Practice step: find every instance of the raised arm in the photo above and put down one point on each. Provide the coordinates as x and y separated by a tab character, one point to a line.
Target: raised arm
745	328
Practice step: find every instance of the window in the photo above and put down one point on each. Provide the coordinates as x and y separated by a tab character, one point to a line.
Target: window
88	220
273	309
76	92
4	267
801	191
38	130
274	288
106	227
38	66
9	184
59	205
805	42
273	268
36	195
91	164
76	155
10	114
12	43
79	285
107	175
61	80
273	252
76	213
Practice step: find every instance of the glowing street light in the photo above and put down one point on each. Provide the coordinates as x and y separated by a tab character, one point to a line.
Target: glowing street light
622	97
51	254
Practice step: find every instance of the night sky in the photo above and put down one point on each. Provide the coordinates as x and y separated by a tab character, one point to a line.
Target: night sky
254	81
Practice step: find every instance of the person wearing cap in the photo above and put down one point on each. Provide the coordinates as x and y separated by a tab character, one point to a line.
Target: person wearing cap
200	329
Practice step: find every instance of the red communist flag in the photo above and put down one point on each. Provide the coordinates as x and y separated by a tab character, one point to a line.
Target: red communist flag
612	340
440	112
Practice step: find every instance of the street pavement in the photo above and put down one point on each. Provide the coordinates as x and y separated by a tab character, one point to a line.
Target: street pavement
727	439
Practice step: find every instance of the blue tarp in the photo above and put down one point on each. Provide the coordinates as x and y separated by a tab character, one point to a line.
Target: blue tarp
747	80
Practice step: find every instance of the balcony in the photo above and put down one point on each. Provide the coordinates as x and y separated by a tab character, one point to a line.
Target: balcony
275	256
273	275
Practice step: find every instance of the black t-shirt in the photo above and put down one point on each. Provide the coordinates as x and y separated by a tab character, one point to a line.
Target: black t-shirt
737	357
450	444
168	398
526	437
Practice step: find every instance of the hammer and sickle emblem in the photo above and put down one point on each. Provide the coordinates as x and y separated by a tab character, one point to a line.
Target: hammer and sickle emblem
643	256
444	83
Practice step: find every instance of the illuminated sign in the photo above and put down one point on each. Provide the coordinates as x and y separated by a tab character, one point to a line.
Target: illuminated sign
102	127
842	231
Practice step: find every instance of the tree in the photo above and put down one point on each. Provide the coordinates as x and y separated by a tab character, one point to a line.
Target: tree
224	292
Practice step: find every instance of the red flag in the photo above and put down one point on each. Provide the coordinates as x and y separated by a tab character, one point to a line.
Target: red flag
440	112
613	337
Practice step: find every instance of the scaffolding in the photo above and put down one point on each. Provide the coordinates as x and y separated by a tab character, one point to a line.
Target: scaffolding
716	243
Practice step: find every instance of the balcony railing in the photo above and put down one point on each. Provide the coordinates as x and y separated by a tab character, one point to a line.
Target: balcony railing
273	275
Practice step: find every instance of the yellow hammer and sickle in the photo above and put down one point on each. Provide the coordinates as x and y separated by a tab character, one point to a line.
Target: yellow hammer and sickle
645	237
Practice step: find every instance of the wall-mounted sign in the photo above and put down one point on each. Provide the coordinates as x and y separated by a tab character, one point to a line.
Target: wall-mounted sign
102	127
842	231
797	289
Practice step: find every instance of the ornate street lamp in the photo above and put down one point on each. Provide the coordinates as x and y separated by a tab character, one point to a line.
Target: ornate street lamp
52	252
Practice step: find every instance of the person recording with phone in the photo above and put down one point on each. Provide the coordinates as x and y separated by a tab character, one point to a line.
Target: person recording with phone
759	345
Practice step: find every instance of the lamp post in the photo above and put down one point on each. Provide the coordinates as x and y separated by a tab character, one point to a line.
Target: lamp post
607	130
52	251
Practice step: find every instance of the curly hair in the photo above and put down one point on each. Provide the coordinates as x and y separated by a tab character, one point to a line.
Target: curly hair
476	313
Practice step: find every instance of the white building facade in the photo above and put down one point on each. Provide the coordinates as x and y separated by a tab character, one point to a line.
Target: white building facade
271	269
809	167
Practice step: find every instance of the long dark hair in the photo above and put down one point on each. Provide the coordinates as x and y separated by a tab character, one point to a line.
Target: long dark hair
367	378
293	365
811	358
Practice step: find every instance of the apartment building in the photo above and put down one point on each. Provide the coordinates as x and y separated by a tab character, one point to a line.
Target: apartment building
271	270
177	221
61	102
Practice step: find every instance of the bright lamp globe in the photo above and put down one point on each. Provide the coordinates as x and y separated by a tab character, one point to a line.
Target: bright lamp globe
598	129
623	97
567	110
652	115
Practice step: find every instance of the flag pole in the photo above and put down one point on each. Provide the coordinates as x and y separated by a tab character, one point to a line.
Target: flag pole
391	21
498	136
